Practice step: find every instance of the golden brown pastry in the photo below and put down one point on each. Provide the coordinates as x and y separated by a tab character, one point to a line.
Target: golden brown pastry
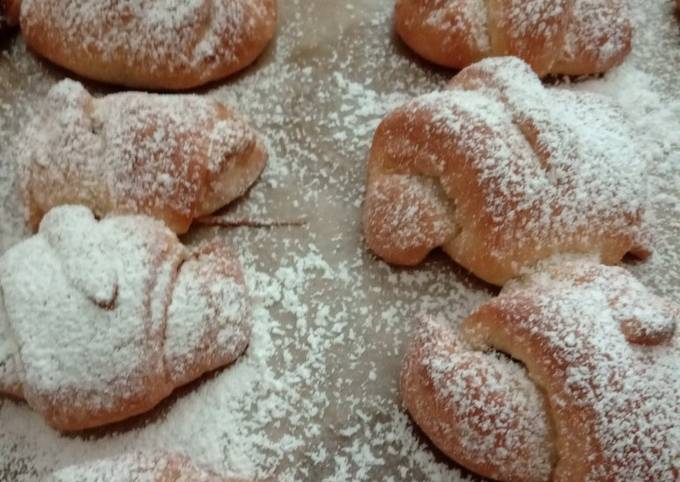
137	467
9	14
150	44
502	172
10	10
101	320
174	158
591	392
573	37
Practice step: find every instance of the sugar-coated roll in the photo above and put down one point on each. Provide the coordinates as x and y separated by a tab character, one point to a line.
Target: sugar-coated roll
149	44
172	157
501	172
573	37
570	375
101	320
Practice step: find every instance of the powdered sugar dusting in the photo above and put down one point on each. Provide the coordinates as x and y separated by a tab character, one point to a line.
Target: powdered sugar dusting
534	17
90	306
61	355
602	32
316	396
618	387
472	14
583	145
208	317
551	168
156	35
130	153
558	36
481	407
10	375
137	467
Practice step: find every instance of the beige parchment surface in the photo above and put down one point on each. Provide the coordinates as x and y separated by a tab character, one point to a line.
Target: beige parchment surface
316	397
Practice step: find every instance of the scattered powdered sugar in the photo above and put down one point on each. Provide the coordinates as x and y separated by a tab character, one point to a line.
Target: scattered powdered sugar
569	32
472	14
614	389
315	396
552	170
481	406
149	33
91	305
130	152
137	467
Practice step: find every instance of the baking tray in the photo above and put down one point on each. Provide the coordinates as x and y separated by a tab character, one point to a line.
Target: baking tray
316	395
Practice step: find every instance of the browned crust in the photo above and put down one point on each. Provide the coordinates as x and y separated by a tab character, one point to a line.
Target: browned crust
207	190
516	323
210	262
447	47
411	144
66	49
583	55
438	416
538	45
156	379
10	9
556	45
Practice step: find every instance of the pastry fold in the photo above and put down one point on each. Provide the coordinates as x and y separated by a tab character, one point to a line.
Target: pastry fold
501	172
101	320
570	375
572	37
149	44
175	158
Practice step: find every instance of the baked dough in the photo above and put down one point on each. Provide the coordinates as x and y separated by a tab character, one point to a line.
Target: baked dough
137	467
150	44
594	395
10	10
573	37
9	14
502	172
101	320
174	158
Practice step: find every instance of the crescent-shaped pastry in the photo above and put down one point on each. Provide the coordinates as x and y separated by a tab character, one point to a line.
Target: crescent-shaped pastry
501	172
573	37
149	44
591	392
101	320
175	158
